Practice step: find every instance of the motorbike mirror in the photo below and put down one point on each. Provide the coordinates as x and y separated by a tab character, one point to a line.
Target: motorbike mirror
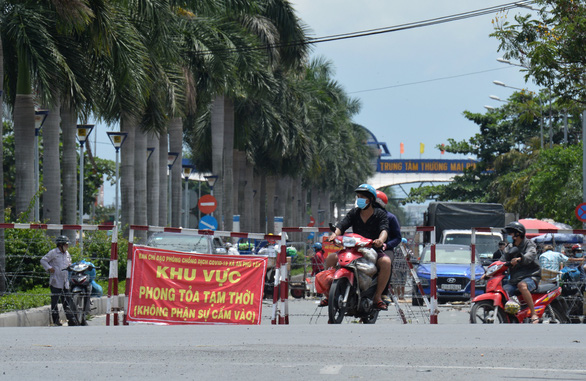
514	251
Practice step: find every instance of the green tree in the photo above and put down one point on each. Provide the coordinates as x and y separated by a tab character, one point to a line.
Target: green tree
550	44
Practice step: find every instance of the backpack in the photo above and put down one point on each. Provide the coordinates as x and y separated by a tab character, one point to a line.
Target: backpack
570	280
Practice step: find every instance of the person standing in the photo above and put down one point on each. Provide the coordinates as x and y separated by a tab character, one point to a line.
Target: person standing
55	261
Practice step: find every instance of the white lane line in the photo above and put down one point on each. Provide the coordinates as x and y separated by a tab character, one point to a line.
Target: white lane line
331	369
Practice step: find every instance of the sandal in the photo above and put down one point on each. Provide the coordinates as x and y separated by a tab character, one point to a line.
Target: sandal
535	320
387	299
381	306
323	302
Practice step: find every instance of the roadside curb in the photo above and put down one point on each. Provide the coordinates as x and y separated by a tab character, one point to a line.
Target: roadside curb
41	316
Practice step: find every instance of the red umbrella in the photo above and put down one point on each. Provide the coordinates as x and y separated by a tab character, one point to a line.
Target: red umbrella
543	226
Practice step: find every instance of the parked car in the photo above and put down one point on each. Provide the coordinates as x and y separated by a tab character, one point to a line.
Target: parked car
190	243
453	273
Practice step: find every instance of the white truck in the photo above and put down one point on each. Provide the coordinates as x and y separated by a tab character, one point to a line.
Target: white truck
486	242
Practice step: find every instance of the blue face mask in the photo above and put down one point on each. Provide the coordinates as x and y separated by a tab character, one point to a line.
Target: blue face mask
361	203
509	238
579	254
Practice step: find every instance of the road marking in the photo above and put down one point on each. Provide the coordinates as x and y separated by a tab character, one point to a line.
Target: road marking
331	369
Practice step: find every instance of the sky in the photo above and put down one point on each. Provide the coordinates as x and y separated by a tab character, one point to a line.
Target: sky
414	85
404	109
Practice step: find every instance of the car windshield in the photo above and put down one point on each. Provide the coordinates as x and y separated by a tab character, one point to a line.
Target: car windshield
448	254
181	242
485	244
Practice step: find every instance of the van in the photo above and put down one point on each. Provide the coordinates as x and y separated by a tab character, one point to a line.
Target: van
486	242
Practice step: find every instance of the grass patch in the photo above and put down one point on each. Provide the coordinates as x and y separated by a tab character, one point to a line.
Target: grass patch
39	296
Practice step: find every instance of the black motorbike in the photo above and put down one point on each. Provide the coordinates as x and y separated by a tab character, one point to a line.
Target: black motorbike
81	289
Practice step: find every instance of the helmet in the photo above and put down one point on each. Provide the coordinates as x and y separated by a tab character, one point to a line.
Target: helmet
291	251
317	246
367	190
515	227
512	307
62	240
381	198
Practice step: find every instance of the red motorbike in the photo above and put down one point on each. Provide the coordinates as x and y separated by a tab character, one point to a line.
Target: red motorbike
354	281
496	306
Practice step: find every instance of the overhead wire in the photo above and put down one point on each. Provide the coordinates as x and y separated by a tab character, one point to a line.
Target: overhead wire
376	31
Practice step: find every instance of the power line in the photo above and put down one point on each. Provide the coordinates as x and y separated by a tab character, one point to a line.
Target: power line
372	32
428	80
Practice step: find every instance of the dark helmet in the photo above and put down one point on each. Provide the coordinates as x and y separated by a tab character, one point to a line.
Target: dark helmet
367	190
62	240
515	227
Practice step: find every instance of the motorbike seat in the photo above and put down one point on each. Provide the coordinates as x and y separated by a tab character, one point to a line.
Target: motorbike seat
544	288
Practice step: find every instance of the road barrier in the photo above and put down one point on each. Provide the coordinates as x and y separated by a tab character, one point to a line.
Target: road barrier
281	290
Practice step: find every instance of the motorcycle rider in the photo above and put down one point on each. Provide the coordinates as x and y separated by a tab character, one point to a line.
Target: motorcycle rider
55	261
318	260
525	271
369	221
398	262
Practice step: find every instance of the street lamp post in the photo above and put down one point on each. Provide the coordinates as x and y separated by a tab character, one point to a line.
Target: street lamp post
499	83
83	132
117	139
187	169
40	117
171	158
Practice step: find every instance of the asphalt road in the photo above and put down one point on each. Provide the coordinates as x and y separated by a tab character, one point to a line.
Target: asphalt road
306	349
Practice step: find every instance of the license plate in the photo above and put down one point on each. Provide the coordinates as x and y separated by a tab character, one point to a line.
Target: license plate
451	287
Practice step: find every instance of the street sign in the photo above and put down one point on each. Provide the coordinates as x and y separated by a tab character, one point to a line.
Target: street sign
208	222
207	204
581	212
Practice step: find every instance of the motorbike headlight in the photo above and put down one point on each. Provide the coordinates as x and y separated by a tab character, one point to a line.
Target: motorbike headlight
492	269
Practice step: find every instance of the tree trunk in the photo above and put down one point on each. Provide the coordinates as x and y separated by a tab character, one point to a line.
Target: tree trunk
140	183
2	215
247	200
262	205
52	167
218	128
256	204
176	145
153	177
24	137
314	211
228	208
270	189
163	152
69	167
128	125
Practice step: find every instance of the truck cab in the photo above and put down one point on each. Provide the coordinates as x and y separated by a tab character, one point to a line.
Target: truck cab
486	242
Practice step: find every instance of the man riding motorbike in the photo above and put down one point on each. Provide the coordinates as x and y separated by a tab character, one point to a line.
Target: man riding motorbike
370	221
525	271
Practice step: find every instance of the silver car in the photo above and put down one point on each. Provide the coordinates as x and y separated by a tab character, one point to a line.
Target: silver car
190	243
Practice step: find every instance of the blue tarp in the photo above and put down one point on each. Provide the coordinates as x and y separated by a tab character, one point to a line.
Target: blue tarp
559	238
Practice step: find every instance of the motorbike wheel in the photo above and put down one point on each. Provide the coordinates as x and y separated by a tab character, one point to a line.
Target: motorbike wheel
553	314
371	318
78	301
336	306
484	312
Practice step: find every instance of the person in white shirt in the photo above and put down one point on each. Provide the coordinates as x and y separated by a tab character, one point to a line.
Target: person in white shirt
55	261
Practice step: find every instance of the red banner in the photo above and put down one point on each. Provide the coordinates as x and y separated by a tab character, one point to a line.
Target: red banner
178	288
